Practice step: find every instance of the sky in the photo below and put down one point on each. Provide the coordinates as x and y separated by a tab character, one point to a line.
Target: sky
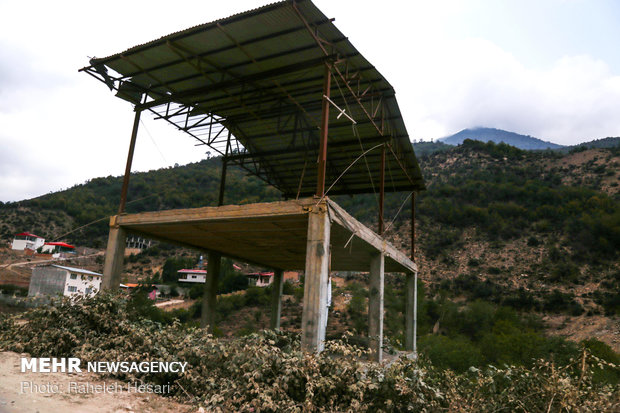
545	68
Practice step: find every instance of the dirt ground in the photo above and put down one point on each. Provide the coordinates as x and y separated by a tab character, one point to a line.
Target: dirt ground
54	394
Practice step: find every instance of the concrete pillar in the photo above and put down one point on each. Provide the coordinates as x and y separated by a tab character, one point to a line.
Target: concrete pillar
411	291
114	256
209	296
316	279
276	298
375	307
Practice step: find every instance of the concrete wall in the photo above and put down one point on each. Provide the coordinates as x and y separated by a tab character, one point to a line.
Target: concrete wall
47	281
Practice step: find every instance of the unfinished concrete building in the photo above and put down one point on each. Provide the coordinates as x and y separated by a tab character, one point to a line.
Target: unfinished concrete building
280	92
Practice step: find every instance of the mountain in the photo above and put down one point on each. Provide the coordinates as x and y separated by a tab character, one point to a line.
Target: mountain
497	136
609	142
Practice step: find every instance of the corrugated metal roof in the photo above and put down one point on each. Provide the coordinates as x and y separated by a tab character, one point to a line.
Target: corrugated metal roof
186	271
27	234
79	270
259	74
60	244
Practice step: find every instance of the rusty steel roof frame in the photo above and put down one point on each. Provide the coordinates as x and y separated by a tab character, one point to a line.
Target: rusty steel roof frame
251	88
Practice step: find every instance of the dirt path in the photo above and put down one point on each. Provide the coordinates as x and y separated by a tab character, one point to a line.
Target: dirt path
18	264
18	395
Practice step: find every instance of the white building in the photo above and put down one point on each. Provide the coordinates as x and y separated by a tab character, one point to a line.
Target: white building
57	249
26	240
59	280
260	279
193	276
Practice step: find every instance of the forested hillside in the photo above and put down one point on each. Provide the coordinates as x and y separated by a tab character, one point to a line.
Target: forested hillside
517	251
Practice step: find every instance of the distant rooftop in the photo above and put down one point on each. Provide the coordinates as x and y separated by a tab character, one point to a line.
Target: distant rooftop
27	234
80	270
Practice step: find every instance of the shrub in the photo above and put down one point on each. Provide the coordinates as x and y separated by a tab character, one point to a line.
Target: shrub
268	371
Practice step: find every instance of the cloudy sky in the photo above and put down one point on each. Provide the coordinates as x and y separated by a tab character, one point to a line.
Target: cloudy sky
546	68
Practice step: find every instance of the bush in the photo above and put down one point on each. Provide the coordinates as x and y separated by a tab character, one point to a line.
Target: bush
11	289
558	302
269	372
457	353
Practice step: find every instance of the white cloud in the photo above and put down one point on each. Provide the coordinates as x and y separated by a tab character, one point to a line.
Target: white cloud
473	82
59	127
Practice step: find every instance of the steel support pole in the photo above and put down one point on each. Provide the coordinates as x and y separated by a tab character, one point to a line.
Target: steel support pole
220	199
322	162
132	145
413	227
415	313
412	294
382	191
415	279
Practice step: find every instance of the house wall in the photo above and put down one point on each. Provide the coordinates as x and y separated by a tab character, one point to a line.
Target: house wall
31	243
47	281
56	281
81	283
48	249
193	278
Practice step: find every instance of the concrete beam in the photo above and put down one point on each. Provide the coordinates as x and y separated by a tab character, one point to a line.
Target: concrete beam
316	279
209	296
276	298
375	307
114	256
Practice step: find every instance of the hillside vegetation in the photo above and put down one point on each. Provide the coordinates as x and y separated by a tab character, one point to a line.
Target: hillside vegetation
268	372
537	232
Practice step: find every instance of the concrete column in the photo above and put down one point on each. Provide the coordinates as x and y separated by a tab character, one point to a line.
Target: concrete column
114	256
411	311
209	296
375	307
276	298
316	279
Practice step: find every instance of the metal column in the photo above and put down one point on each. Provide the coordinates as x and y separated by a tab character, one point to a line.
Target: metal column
320	181
132	145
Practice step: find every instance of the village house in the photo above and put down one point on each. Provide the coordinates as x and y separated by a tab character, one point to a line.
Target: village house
192	276
59	280
57	248
260	279
26	240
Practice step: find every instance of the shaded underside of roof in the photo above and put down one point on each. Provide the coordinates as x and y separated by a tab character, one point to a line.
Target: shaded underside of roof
259	76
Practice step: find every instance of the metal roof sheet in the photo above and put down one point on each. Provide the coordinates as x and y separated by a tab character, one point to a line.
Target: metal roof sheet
80	270
259	75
